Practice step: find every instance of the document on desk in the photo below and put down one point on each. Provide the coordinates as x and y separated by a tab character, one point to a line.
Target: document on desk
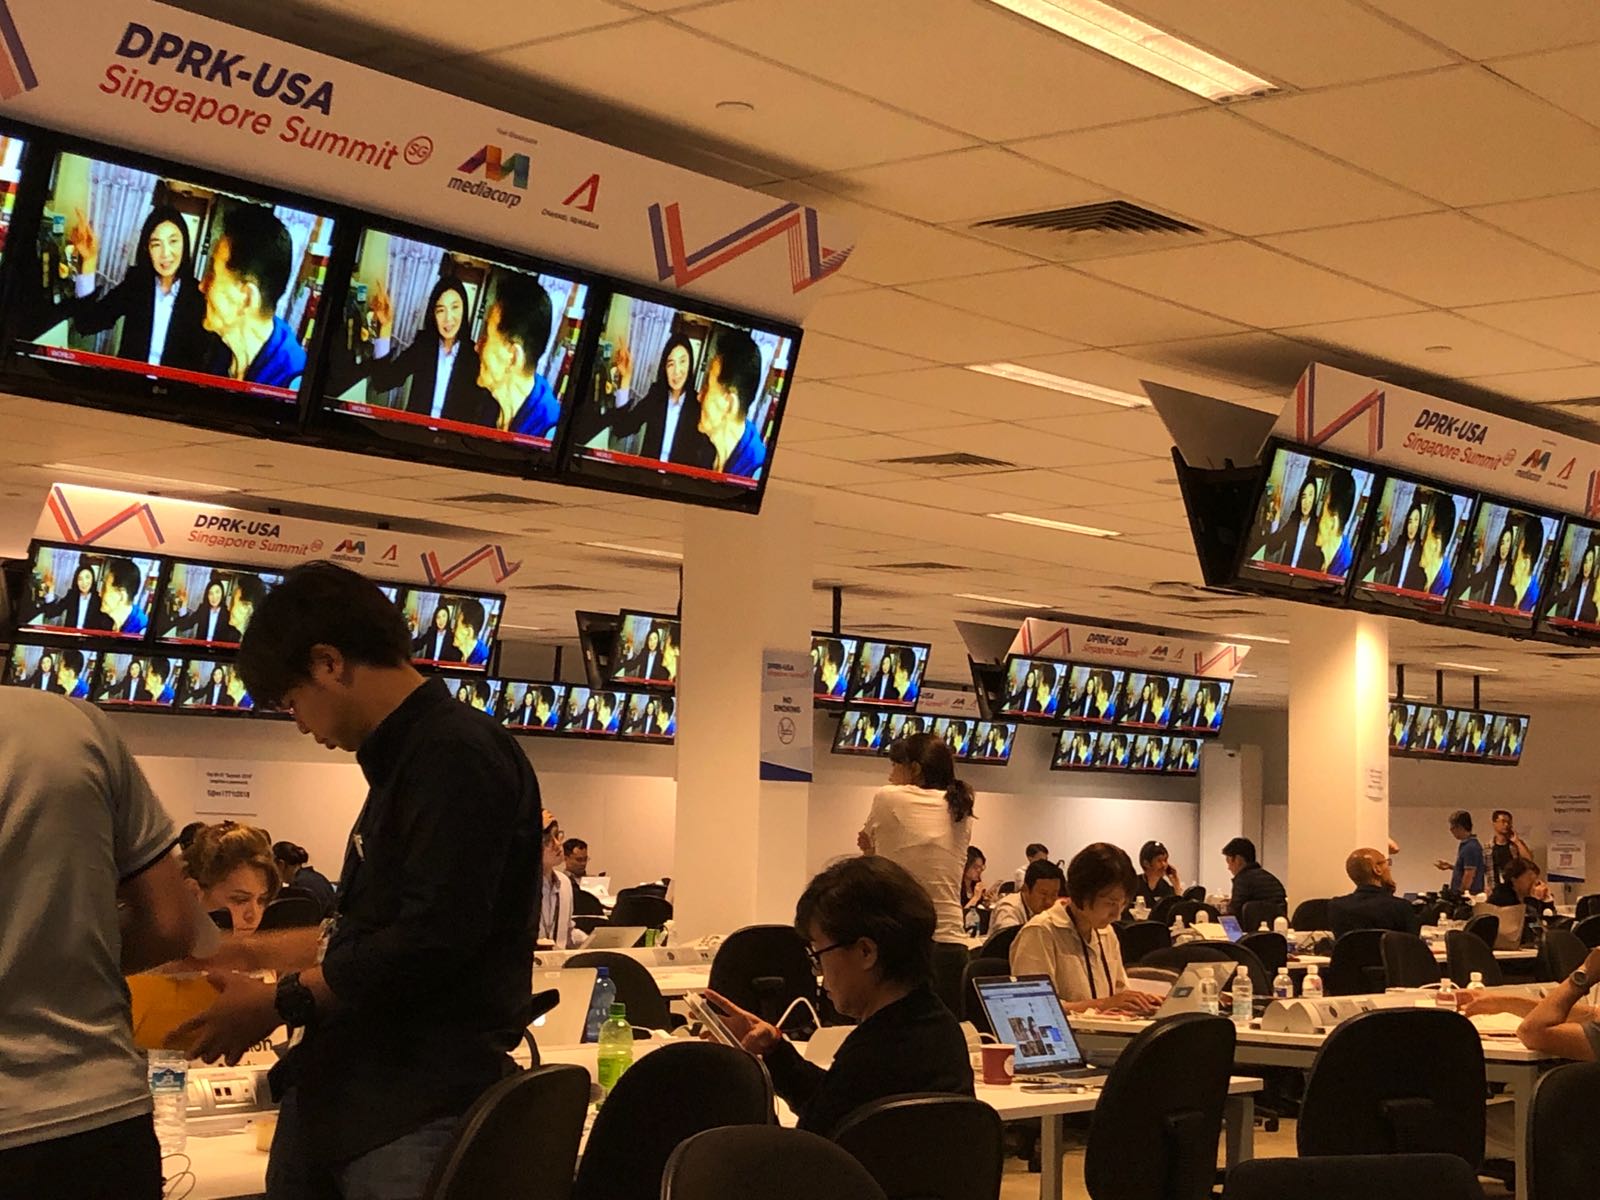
1497	1024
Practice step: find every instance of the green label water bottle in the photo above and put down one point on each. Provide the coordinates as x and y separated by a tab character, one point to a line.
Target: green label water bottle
616	1047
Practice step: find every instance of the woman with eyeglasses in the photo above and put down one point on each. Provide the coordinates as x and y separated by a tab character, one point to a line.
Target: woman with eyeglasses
869	927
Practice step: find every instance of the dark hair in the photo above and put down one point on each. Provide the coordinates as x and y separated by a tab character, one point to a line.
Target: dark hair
525	314
666	706
1152	850
1441	521
71	660
1461	817
159	667
217	851
1341	495
674	342
975	855
547	695
1043	869
123	573
907	659
186	835
938	766
1095	868
319	603
833	652
471	611
1240	847
1046	673
1518	867
290	855
873	897
1532	540
1497	814
571	844
739	366
160	214
249	588
1035	848
481	690
259	250
446	283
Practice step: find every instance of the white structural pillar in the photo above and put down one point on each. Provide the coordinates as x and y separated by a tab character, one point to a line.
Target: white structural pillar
1338	746
1230	807
740	843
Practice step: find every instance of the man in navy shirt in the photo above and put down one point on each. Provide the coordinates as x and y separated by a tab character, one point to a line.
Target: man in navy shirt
1467	872
1373	905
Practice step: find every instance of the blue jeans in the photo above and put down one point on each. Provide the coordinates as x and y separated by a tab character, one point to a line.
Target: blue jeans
399	1170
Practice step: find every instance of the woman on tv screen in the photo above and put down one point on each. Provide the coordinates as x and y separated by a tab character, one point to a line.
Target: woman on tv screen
440	365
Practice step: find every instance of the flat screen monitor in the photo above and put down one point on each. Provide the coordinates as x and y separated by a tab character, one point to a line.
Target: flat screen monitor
591	712
889	674
1033	688
1469	736
1183	756
1402	725
209	605
1307	523
1148	700
1431	728
1202	703
1149	753
1075	750
681	402
83	591
1408	561
136	681
861	731
212	686
1570	608
445	354
904	725
833	658
62	670
1501	567
1092	695
1507	733
11	152
150	283
475	691
1114	751
955	732
648	645
650	717
529	706
450	630
991	743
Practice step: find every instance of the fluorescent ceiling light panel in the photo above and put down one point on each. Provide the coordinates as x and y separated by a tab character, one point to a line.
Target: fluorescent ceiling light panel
1256	637
1473	667
1006	600
646	551
1139	44
1046	523
1060	383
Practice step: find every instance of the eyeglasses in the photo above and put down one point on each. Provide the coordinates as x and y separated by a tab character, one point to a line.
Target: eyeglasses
816	955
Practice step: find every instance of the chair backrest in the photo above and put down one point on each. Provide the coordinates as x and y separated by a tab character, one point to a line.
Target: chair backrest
1138	938
928	1147
640	908
1587	930
1561	1163
1370	1176
998	945
1465	953
665	1097
586	904
971	1003
1176	958
1006	888
293	912
1588	906
950	960
1407	961
1271	948
1310	915
519	1139
637	990
1397	1081
1560	954
290	891
1485	926
765	1163
764	969
1153	1135
1255	913
1162	912
1195	892
1357	964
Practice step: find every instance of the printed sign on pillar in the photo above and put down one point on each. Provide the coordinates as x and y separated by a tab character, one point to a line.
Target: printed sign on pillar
786	715
1570	814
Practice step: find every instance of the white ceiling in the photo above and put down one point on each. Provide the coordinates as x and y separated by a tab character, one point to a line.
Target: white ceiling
1418	201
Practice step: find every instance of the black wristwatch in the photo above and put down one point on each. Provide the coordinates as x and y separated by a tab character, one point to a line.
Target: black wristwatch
294	1002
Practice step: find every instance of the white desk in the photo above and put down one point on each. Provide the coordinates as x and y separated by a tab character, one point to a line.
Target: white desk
1299	962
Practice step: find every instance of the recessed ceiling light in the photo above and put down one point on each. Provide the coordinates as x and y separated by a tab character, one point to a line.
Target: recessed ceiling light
1060	383
1125	37
133	479
646	551
1256	637
1473	667
1046	523
735	106
1006	600
1438	349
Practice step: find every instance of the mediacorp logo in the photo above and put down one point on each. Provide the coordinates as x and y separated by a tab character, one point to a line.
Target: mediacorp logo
496	167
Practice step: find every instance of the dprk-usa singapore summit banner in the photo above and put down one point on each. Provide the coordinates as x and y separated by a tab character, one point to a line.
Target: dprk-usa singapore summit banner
141	75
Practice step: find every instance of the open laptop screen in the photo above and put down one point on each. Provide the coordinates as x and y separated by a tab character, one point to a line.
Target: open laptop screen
1231	924
1024	1011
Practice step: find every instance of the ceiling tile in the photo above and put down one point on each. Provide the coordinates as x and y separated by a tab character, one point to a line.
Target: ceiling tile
1542	387
1112	369
798	430
1059	487
963	186
1474	350
1570	323
853	411
825	357
910	324
976	395
1565	224
1487	28
797	466
1012	443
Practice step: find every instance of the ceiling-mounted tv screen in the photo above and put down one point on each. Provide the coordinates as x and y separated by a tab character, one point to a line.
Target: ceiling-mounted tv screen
442	353
527	706
591	712
904	725
475	691
1501	567
1507	733
450	630
212	685
1570	607
1033	687
1201	705
1469	737
861	731
1148	700
1092	694
681	402
955	732
209	604
1114	750
1183	756
150	282
889	674
84	591
648	646
1409	557
1402	725
1307	522
61	670
1431	727
650	717
1149	753
991	743
136	681
1075	750
833	658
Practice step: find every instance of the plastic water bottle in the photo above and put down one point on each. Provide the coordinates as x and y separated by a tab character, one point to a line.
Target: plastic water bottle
1311	989
1209	999
616	1047
1177	927
1475	982
168	1071
1283	985
1141	910
1447	994
600	1002
1244	999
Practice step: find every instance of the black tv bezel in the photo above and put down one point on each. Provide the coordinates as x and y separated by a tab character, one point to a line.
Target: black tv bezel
491	679
205	711
645	685
1176	677
599	735
1011	744
66	637
878	751
1002	713
1118	768
649	739
168	564
1056	761
1555	629
1451	755
404	441
575	466
1405	604
1203	734
938	719
1496	620
835	702
429	666
855	701
1115	722
527	730
1489	760
98	649
129	392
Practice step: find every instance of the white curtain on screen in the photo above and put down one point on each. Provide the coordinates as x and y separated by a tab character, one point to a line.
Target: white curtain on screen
554	356
414	268
119	200
647	337
301	227
767	343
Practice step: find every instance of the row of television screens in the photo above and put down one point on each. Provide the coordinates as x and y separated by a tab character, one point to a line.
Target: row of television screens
138	284
871	731
847	669
1418	730
1336	531
1120	750
1051	691
89	594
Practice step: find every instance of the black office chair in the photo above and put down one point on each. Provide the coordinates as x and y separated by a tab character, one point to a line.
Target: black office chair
1138	938
1006	888
589	923
1561	1162
1588	930
1271	948
971	1005
764	969
1436	910
635	907
293	913
1153	1136
636	987
1465	953
665	1097
1188	909
1356	968
1561	952
1588	906
1407	961
928	1147
998	945
1161	914
1176	958
1310	915
1370	1176
1196	892
950	959
586	904
1397	1081
1486	927
1253	914
519	1139
765	1163
290	891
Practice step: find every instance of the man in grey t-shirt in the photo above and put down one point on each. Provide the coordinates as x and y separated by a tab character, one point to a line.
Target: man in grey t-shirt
89	890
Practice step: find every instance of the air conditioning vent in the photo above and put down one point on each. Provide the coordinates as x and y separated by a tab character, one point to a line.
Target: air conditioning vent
1107	216
554	587
956	458
496	498
920	566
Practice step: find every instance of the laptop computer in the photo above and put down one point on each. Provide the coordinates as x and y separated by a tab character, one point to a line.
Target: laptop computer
1184	995
563	1024
1025	1012
1235	930
615	937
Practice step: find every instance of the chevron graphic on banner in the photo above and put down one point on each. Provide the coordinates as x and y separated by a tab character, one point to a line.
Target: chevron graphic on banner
67	521
1592	507
1061	637
810	261
1228	655
494	555
1306	431
16	71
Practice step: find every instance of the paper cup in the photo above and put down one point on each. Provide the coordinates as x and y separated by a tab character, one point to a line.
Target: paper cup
999	1064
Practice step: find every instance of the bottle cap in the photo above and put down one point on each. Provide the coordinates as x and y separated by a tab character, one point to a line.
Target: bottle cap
602	973
619	1010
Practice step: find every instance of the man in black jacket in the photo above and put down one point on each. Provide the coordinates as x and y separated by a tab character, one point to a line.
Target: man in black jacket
1373	905
1251	881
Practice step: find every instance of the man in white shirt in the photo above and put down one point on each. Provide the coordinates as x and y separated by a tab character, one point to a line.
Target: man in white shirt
1041	887
555	892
